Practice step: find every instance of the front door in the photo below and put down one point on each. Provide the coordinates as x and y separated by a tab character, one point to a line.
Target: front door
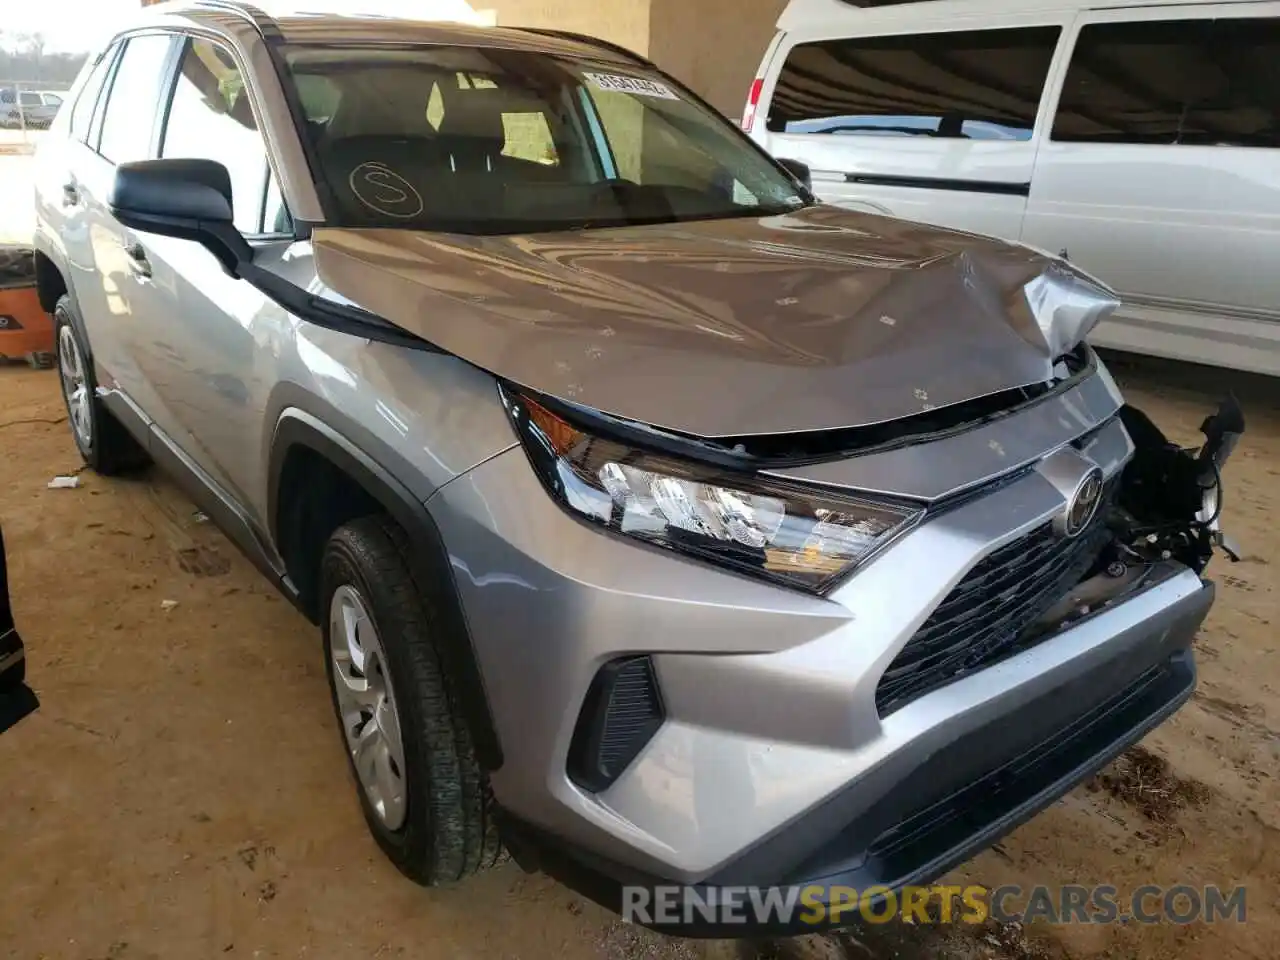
195	336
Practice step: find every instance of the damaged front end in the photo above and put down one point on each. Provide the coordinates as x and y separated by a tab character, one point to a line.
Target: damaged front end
1170	503
1164	512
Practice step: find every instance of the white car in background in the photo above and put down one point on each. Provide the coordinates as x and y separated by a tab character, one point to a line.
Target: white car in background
34	109
1139	138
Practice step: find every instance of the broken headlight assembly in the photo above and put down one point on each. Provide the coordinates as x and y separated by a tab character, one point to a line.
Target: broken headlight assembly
1171	498
764	528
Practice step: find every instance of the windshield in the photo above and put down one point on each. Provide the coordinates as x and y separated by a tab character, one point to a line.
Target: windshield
484	141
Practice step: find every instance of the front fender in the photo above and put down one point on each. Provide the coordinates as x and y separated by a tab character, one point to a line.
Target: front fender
430	563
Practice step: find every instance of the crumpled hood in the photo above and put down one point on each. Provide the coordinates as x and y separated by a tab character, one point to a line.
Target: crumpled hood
814	320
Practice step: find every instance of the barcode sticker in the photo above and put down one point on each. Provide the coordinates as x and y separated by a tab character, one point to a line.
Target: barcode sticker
612	83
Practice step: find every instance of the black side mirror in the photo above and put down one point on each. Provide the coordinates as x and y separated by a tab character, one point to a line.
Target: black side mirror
187	199
798	170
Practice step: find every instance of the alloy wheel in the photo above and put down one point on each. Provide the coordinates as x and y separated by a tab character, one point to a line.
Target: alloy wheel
367	705
75	387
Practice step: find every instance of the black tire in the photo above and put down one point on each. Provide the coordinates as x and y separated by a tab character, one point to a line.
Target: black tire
448	832
109	448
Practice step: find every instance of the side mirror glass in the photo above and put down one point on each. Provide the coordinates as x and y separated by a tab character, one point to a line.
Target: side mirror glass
187	199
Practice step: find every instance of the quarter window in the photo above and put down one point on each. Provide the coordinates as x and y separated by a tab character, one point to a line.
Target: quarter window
1189	82
210	118
129	120
968	85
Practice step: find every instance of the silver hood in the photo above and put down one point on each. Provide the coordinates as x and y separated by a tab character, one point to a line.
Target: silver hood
815	320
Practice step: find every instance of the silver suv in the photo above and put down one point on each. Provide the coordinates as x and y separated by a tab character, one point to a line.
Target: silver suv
662	524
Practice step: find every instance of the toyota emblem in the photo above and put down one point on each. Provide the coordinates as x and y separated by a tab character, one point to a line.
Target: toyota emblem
1083	505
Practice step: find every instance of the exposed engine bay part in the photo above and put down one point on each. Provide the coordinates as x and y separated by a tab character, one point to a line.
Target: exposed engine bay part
1160	515
1170	501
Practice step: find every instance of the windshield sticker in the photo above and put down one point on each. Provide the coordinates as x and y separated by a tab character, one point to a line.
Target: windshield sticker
384	191
612	83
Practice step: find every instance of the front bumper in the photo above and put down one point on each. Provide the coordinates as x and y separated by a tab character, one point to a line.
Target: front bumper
900	825
773	765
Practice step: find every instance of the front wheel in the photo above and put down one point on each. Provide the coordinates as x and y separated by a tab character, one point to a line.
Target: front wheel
423	794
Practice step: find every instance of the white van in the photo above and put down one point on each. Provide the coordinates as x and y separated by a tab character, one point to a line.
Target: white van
1140	138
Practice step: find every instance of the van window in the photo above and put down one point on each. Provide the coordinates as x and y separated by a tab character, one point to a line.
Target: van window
1189	82
969	85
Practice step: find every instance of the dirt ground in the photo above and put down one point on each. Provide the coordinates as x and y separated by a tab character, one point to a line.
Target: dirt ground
181	792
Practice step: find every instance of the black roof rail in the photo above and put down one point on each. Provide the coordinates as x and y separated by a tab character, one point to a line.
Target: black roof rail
269	29
590	41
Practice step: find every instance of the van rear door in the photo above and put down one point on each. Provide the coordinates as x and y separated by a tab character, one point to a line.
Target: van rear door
932	120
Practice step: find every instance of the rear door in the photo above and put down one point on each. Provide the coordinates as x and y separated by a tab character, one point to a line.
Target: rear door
1159	174
104	274
60	198
936	122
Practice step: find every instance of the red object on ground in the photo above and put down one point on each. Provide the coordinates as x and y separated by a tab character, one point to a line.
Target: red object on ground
26	331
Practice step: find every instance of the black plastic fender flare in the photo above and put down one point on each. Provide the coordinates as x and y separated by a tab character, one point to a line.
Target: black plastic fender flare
430	557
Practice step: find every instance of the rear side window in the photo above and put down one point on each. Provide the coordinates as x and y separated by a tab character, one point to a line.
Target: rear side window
969	85
131	106
82	112
1190	82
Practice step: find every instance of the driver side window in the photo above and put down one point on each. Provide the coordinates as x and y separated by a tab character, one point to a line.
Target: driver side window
210	118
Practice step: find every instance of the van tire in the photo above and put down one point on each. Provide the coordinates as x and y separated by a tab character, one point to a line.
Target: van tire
103	442
448	831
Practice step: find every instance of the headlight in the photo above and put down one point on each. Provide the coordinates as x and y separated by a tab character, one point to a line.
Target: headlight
766	528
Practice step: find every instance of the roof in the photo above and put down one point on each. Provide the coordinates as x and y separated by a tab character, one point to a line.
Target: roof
831	16
360	29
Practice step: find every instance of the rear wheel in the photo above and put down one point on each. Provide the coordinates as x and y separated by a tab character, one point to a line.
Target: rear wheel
421	789
102	441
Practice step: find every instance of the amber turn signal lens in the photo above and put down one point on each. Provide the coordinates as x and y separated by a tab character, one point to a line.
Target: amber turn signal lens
559	434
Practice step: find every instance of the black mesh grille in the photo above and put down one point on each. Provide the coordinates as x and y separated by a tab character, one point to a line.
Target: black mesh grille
987	616
623	711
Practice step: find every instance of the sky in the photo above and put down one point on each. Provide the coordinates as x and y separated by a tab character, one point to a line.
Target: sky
79	25
69	25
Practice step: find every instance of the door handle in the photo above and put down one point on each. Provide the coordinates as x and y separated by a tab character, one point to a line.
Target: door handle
138	261
70	194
